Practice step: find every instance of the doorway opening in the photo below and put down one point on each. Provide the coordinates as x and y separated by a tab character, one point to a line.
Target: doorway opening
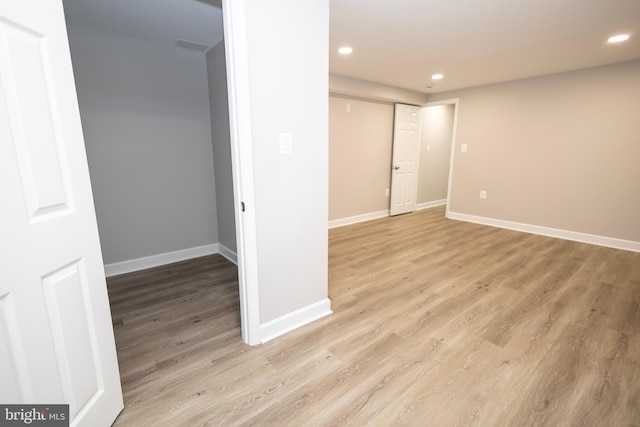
438	135
156	125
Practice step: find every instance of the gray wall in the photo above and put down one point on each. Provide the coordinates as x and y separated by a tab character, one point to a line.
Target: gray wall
218	101
145	116
435	152
559	151
287	43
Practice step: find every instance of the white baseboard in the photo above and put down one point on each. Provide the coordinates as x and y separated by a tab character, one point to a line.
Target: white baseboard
228	253
358	218
380	214
283	324
433	204
611	242
159	259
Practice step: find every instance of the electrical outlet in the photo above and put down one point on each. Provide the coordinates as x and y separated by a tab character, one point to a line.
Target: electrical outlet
386	193
483	194
463	148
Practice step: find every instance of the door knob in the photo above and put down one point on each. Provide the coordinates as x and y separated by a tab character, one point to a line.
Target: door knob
396	167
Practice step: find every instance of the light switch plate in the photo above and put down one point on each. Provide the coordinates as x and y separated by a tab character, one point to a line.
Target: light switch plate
286	143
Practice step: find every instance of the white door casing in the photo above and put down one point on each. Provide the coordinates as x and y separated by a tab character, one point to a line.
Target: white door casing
242	166
455	102
405	158
56	334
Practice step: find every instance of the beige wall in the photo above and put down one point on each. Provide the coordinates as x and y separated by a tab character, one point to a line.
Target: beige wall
435	152
360	149
356	88
560	151
359	156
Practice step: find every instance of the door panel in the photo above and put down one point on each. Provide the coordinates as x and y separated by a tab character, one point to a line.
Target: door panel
406	155
28	97
13	370
65	295
55	324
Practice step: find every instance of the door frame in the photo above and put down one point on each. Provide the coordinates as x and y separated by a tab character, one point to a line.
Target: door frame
456	103
236	53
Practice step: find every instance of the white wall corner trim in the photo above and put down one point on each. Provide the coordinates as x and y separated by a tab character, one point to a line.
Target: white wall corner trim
283	324
610	242
358	218
228	253
432	204
159	259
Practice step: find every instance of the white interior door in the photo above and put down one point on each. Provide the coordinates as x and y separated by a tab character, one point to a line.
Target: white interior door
56	336
406	155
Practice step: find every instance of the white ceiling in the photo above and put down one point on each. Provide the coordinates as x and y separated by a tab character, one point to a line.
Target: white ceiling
474	42
403	42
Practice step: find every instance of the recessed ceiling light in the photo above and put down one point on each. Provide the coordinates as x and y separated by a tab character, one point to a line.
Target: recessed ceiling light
346	50
437	76
619	38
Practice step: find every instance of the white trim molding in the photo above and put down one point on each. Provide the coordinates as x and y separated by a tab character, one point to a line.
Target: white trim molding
358	218
240	125
433	204
611	242
283	324
228	253
143	263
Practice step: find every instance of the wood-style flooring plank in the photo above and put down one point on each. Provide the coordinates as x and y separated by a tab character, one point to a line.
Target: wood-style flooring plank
436	323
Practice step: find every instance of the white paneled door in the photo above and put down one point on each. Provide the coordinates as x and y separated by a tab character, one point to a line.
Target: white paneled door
56	335
406	154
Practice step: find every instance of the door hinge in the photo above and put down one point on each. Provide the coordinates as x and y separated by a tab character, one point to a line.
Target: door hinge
242	206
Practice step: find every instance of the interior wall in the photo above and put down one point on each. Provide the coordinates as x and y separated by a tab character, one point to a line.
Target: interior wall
218	101
435	152
287	43
356	88
557	151
360	142
146	122
360	155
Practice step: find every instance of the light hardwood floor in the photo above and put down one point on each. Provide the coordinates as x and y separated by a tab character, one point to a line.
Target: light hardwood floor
436	323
